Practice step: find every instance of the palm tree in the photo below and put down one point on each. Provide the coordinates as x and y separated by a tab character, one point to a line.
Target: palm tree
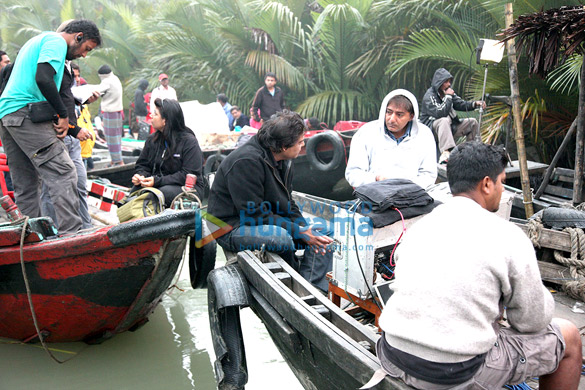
339	33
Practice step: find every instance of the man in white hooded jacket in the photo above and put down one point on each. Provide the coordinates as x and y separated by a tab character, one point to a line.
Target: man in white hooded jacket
396	145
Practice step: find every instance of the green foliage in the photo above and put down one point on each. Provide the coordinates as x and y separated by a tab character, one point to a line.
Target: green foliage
335	59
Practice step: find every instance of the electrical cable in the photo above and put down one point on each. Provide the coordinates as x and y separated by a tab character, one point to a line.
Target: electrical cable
361	268
392	263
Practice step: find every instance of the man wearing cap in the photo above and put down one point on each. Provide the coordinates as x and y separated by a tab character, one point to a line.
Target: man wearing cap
163	91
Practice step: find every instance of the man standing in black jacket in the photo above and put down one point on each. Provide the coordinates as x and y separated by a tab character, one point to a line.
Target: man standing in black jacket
252	193
269	99
438	113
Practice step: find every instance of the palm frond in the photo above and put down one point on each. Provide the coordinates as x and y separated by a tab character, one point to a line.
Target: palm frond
264	62
450	47
566	77
333	106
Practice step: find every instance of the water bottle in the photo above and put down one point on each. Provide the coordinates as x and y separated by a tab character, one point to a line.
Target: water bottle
11	208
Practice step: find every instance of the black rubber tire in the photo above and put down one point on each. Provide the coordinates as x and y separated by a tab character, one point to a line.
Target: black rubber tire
212	163
338	150
225	295
231	329
559	218
201	262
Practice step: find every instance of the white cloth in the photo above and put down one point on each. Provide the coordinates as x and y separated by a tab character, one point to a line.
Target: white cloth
373	152
162	93
454	270
205	118
111	90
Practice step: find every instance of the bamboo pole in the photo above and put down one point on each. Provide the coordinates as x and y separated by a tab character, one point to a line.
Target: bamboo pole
579	148
514	86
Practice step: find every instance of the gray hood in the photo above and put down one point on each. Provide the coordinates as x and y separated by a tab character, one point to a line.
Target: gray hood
441	75
143	84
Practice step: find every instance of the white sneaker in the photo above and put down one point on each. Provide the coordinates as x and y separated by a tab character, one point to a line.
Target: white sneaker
444	158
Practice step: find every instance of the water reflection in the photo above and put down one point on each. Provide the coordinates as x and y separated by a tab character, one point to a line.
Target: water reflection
172	351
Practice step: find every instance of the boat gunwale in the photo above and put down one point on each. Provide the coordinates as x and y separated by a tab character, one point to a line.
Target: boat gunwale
262	279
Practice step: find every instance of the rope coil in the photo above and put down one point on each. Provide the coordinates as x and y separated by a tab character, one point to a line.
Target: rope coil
575	263
575	286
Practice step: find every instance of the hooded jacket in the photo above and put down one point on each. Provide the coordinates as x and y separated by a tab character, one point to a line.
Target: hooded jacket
434	106
249	178
139	101
373	152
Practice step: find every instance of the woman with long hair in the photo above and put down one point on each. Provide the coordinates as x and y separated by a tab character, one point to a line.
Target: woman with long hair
169	154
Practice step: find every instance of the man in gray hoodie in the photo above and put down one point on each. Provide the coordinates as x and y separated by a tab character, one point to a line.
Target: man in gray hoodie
438	112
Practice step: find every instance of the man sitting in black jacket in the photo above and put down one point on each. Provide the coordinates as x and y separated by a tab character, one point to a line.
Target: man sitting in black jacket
240	119
252	192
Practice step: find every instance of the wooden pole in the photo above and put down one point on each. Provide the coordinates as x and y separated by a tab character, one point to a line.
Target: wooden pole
514	86
579	148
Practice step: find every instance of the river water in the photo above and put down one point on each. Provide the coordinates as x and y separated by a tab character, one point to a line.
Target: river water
173	350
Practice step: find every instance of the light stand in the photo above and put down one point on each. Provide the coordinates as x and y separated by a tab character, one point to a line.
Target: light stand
482	99
488	52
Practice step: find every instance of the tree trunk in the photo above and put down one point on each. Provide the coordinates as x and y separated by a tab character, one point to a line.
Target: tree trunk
514	87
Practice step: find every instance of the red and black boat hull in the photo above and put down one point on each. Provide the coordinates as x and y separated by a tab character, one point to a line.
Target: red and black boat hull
95	284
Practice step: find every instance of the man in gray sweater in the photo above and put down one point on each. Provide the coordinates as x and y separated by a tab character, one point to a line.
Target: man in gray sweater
442	326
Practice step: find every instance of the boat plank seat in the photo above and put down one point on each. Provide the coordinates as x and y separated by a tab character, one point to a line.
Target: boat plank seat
274	267
285	278
561	184
322	310
309	300
4	168
559	189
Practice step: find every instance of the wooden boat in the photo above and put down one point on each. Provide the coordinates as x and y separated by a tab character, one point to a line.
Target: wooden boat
91	285
325	346
129	146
